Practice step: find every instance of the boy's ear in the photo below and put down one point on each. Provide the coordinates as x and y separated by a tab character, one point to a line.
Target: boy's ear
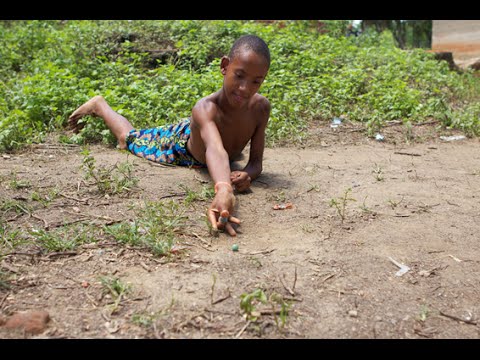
224	64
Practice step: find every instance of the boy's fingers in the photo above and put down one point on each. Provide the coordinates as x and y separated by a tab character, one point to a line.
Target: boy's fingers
234	220
212	218
230	229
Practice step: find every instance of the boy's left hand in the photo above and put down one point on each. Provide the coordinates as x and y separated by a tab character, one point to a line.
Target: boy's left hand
241	180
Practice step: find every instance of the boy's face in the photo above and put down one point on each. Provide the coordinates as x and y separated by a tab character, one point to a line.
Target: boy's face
243	76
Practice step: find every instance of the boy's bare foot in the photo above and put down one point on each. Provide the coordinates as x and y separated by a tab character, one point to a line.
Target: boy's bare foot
89	108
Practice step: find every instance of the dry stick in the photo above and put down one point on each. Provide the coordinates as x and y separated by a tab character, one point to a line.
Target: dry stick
66	223
74	198
406	153
201	239
229	295
243	329
92	300
3	300
470	322
286	287
45	224
172	195
54	146
61	253
294	280
200	246
327	277
259	252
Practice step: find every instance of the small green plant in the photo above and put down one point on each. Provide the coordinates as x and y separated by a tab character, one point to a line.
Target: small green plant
9	238
15	206
308	228
116	289
16	183
63	239
314	187
279	197
378	172
394	204
45	199
284	309
114	180
4	280
364	206
424	312
341	204
249	301
207	193
155	228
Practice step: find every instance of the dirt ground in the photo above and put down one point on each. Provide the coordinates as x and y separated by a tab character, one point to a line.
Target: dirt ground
358	206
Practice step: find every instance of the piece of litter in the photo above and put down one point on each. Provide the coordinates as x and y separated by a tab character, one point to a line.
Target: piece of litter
283	206
453	138
336	122
454	258
403	268
379	137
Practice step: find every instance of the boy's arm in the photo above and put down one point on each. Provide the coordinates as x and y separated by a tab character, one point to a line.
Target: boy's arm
218	167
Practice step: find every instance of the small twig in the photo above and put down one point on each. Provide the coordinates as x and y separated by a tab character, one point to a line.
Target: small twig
222	298
470	322
51	226
406	153
270	312
92	300
242	330
258	252
172	195
292	298
143	265
286	287
155	164
74	198
201	239
45	224
3	300
62	253
328	277
294	280
200	246
54	146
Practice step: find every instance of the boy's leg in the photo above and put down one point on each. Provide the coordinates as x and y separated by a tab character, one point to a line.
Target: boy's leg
97	106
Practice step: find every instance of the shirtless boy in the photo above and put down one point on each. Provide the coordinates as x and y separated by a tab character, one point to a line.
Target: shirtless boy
220	127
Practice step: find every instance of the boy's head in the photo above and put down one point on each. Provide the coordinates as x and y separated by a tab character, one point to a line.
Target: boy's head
245	69
250	42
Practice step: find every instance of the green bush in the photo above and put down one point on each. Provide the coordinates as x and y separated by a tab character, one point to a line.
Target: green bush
49	68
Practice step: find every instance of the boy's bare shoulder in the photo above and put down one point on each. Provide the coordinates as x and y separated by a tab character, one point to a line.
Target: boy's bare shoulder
206	104
262	106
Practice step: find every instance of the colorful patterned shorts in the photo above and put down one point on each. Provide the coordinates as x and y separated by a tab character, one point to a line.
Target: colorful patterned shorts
165	144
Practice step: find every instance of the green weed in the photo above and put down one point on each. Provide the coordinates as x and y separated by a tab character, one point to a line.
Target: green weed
341	204
113	180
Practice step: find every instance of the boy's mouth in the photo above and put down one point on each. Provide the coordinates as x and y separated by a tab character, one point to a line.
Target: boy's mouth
238	98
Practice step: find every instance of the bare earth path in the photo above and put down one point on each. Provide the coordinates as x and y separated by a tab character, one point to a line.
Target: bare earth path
414	204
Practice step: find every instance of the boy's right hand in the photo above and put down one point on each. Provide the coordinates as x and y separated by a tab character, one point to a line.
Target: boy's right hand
220	210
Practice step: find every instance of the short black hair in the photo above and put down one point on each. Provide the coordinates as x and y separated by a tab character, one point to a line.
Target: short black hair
250	42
